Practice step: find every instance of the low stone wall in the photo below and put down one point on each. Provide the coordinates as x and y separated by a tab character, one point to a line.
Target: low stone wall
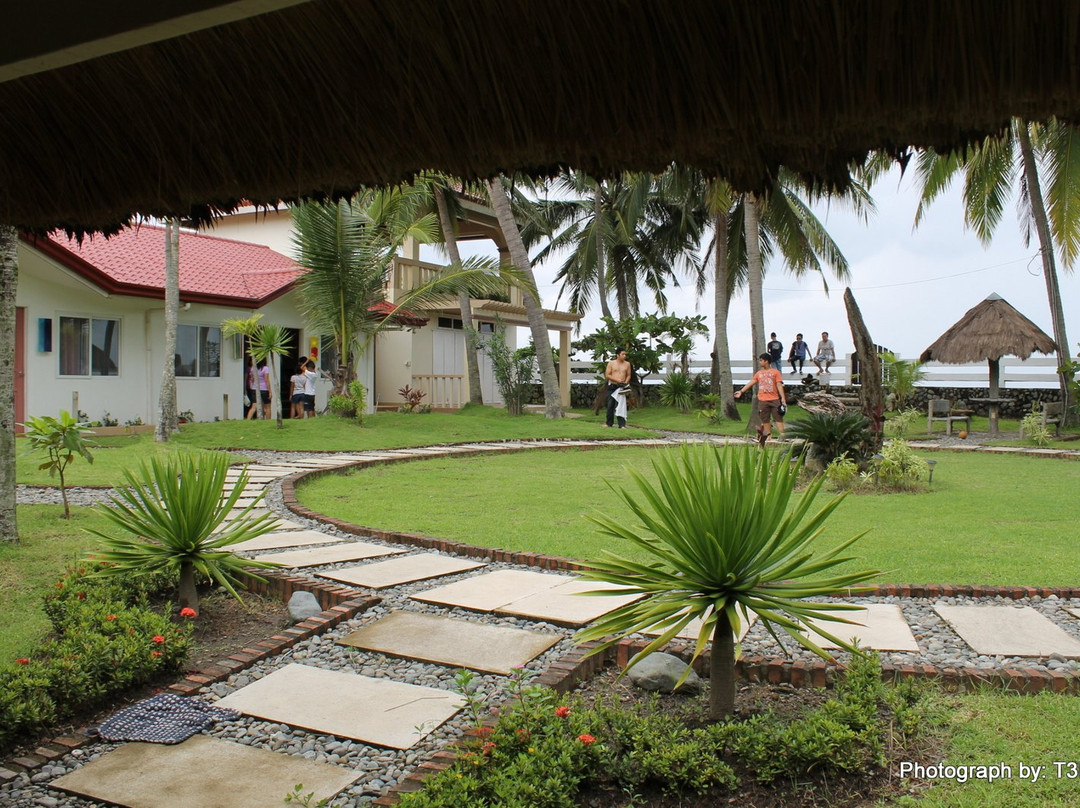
583	395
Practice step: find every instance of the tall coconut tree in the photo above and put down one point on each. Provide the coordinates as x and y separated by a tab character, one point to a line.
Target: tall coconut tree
9	278
347	249
1043	160
519	256
167	410
624	234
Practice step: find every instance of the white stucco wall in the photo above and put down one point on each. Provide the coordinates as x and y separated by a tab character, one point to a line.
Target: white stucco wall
48	291
272	229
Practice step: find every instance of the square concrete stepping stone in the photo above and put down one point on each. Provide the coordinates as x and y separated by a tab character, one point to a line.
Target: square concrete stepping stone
486	593
288	524
690	630
381	574
375	711
295	538
1008	631
201	771
451	642
565	605
330	554
883	628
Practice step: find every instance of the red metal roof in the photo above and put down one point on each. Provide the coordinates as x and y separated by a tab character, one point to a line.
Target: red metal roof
212	269
400	315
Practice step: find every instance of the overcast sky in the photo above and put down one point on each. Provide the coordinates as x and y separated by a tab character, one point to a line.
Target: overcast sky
910	285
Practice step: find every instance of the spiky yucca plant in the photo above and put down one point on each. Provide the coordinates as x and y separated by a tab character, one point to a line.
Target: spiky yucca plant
722	542
168	514
833	436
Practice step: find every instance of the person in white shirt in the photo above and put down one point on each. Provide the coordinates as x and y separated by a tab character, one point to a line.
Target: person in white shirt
309	389
826	352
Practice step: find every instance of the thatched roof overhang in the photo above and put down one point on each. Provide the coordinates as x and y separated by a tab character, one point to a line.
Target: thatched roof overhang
320	97
990	330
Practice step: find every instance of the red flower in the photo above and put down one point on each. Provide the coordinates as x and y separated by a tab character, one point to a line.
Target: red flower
59	584
586	739
155	653
110	617
81	596
484	732
562	712
188	612
488	748
523	734
158	639
23	661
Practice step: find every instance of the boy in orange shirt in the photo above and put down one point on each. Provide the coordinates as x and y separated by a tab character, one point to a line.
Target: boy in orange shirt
771	397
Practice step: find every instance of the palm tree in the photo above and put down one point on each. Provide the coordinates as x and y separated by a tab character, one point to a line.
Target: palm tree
633	231
990	169
9	278
519	256
265	343
348	248
167	415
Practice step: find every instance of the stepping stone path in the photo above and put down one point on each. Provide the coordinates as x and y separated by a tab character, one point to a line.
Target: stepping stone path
397	571
507	623
455	643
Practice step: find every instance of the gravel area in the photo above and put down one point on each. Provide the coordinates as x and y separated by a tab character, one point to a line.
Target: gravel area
378	768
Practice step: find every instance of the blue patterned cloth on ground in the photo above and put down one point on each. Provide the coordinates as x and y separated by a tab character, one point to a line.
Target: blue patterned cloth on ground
165	718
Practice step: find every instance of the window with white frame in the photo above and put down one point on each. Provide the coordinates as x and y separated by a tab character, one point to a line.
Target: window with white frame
198	351
89	346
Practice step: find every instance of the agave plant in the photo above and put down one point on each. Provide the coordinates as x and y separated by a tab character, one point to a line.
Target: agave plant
170	513
832	436
721	542
677	390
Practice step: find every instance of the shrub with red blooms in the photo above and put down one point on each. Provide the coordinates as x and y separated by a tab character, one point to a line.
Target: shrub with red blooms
102	629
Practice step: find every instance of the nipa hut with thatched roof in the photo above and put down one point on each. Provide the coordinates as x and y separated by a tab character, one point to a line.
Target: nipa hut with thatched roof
989	331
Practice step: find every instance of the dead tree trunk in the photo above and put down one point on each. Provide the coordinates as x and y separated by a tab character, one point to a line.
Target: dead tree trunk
870	389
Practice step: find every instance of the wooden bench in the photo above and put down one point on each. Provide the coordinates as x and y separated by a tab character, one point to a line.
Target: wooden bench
941	409
1053	412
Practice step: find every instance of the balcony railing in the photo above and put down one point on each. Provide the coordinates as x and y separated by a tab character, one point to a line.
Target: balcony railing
444	391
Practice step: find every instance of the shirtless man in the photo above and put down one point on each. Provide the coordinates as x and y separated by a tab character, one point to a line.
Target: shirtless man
617	374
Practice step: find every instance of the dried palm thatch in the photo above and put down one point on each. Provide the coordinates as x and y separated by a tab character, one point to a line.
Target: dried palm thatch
990	330
318	98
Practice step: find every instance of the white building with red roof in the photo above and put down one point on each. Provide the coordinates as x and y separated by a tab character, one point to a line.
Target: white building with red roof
90	325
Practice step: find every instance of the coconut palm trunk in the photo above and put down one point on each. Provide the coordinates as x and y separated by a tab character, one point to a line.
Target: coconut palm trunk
537	324
472	361
167	409
755	273
1046	250
9	278
601	252
723	285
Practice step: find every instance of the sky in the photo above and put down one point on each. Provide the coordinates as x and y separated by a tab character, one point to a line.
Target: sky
911	285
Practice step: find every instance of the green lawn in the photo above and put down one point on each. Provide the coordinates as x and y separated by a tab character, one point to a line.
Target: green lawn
994	728
987	520
48	544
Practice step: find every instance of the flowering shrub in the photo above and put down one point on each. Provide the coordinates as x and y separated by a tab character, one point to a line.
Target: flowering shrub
107	640
544	756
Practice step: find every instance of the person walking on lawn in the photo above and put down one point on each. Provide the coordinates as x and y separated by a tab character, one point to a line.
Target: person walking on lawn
771	397
617	374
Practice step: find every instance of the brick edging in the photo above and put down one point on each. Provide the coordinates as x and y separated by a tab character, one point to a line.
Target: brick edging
339	603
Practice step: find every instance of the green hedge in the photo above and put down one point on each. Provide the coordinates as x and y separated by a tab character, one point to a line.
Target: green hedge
107	639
